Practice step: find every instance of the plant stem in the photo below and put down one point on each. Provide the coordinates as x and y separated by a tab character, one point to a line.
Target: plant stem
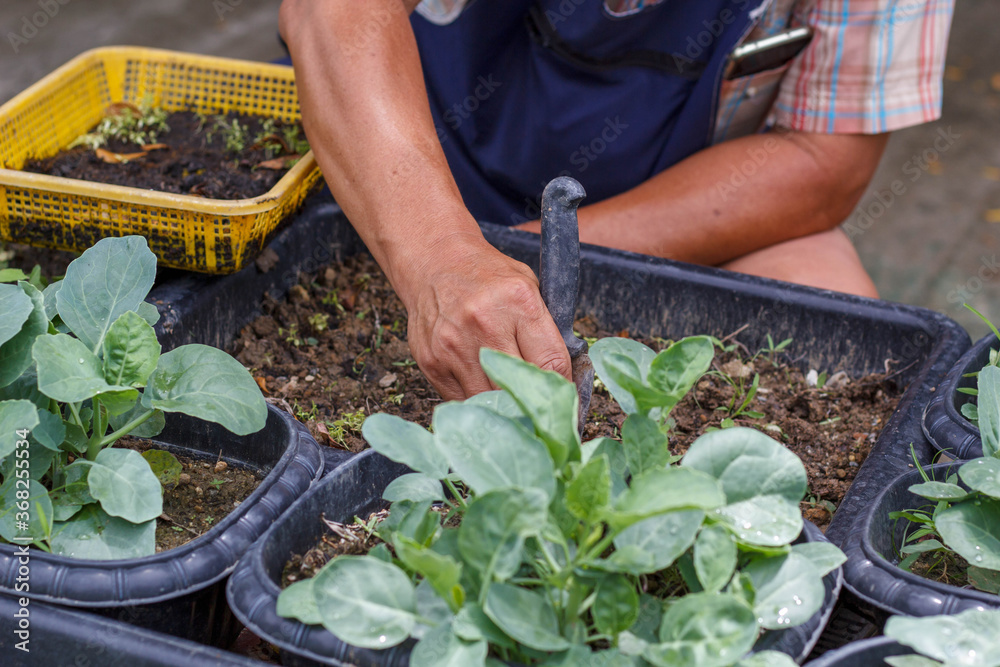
124	430
75	410
455	493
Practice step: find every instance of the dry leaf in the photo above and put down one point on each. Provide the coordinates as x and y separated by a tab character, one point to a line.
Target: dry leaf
284	162
995	82
934	168
991	173
262	383
952	73
155	147
322	429
993	215
117	158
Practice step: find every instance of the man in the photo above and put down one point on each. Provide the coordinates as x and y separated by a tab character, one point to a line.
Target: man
424	125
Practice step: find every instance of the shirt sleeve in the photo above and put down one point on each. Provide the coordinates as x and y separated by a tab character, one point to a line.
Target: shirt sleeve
873	66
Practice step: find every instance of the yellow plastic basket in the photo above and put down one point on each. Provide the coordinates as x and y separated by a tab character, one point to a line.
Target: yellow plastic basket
187	232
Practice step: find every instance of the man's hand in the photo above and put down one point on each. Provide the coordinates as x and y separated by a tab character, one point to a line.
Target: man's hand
471	296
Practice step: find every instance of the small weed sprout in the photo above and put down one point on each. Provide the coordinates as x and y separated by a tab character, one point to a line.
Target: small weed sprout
330	299
124	121
291	335
304	415
319	322
349	424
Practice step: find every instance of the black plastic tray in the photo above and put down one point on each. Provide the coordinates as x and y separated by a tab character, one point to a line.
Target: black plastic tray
871	568
944	425
181	591
60	636
355	489
867	653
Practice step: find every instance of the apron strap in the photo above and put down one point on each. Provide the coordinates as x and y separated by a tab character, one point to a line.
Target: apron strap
544	34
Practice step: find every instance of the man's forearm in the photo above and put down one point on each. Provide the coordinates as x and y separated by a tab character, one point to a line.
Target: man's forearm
737	197
366	113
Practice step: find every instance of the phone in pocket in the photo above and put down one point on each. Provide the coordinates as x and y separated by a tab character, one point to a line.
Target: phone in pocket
768	53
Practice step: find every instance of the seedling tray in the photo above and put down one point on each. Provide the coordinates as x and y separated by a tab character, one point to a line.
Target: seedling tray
944	425
185	231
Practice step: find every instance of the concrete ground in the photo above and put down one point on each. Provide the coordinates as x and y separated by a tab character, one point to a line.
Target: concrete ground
933	242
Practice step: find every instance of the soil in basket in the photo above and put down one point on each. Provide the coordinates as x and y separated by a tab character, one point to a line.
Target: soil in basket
335	352
208	490
193	160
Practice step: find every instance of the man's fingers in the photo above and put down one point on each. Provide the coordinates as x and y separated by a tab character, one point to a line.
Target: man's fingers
539	342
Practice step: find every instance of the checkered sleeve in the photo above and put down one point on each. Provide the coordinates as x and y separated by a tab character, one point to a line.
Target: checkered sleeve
873	66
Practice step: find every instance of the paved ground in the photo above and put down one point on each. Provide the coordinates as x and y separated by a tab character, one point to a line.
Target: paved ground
935	244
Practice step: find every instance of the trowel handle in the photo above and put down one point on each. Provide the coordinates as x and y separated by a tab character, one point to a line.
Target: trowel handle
559	264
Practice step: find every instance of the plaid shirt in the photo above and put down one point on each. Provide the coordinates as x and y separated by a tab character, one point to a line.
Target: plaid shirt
873	65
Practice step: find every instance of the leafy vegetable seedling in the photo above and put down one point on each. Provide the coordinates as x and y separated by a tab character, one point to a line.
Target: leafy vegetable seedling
81	367
966	517
570	552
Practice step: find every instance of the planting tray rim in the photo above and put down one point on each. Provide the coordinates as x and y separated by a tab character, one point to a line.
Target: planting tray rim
866	565
944	425
302	457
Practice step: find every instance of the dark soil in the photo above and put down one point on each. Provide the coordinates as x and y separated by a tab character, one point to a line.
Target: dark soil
193	163
947	568
207	492
53	263
335	351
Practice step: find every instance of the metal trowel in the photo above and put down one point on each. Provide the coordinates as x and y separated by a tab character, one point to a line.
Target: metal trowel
559	276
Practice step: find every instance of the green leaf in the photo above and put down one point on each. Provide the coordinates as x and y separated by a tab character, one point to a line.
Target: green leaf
207	383
298	602
582	656
164	465
763	483
589	492
415	520
491	537
664	537
789	589
714	557
108	279
67	370
414	486
119	402
824	556
641	357
989	409
922	547
15	354
365	602
15	416
442	572
75	490
645	445
25	387
130	351
502	403
441	648
664	490
120	479
488	451
970	411
969	638
612	449
404	442
94	535
984	580
624	373
16	306
472	624
704	629
616	604
12	276
982	474
939	491
148	429
767	659
39	461
525	616
49	299
50	430
148	312
676	369
549	399
39	510
972	529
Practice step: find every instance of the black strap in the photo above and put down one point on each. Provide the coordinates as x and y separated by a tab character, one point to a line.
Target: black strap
544	33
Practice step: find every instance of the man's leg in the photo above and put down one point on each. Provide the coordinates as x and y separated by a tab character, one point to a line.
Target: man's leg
827	260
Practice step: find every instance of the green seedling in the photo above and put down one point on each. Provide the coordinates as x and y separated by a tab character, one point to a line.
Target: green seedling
126	122
968	638
350	423
81	368
319	322
560	543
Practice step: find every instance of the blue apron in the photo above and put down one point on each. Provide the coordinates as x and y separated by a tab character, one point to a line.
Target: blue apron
525	90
